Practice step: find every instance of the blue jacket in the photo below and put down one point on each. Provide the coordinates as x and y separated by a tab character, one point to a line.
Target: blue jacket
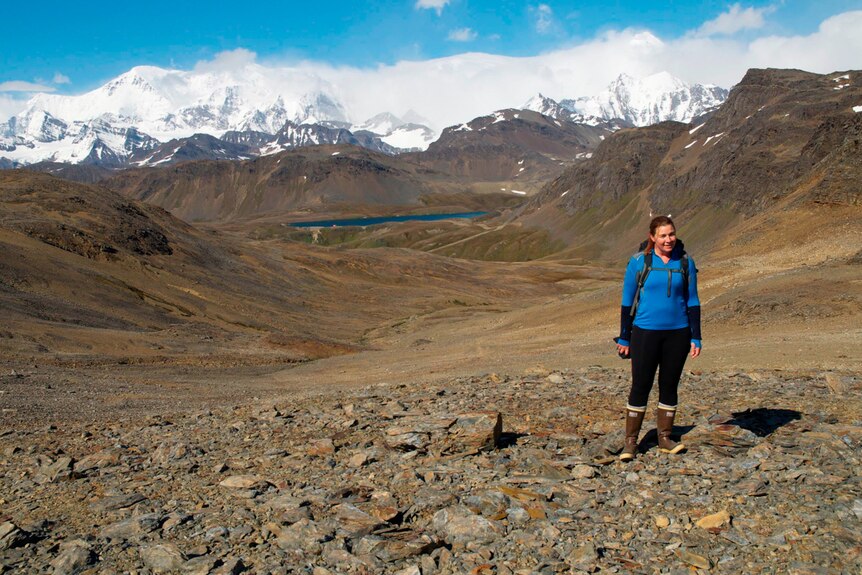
662	303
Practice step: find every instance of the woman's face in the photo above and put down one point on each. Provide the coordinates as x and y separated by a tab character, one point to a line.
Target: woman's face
665	239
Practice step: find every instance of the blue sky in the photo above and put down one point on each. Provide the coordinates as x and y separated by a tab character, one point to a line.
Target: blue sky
70	47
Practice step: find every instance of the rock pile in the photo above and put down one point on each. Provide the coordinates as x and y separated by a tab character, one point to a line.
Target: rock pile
482	475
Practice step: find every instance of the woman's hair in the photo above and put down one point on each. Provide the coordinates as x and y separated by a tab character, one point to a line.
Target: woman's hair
654	225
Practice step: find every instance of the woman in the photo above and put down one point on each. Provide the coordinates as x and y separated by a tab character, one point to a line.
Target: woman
660	327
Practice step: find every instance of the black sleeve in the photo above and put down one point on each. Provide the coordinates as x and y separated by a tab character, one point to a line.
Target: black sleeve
694	321
626	321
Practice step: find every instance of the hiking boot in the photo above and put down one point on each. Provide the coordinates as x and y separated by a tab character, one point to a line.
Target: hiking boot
634	419
664	426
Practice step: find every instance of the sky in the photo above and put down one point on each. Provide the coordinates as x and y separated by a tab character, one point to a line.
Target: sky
513	48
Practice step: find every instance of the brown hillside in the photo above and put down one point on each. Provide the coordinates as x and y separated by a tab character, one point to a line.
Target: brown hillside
89	275
521	149
323	179
783	140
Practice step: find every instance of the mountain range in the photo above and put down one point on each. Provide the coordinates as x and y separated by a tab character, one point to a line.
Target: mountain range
151	116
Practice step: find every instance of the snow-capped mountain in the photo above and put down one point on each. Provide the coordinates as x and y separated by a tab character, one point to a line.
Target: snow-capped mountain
554	109
38	136
296	136
148	105
197	147
243	145
650	100
381	124
398	133
137	111
410	137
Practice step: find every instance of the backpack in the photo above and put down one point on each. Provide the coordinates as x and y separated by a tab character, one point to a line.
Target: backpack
647	268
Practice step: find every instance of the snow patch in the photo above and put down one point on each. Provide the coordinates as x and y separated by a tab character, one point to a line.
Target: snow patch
695	129
691	144
163	160
564	193
410	137
335	153
839	78
519	192
715	137
857	109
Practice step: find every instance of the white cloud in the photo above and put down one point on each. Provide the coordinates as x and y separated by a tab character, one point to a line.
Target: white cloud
735	20
10	105
544	18
227	61
61	79
458	88
462	35
437	5
21	86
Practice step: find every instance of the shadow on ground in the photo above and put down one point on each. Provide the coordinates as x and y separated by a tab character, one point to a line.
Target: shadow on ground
764	420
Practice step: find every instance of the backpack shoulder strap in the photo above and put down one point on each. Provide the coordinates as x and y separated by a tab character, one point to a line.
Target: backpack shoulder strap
645	269
684	264
641	279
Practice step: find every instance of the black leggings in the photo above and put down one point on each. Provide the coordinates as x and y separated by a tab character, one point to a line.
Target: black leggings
651	349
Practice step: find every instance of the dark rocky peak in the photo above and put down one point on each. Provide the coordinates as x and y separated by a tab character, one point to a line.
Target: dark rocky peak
251	138
196	147
493	126
297	136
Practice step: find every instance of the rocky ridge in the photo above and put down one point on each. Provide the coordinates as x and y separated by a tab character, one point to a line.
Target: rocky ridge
783	140
412	479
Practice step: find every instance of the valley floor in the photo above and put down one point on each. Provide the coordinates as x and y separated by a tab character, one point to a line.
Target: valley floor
550	334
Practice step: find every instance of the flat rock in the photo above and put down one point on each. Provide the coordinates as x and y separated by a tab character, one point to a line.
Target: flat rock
354	521
72	557
242	482
459	525
715	520
163	558
133	527
11	535
115	502
98	460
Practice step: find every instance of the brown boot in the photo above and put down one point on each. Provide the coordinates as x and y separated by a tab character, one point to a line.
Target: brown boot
664	426
634	419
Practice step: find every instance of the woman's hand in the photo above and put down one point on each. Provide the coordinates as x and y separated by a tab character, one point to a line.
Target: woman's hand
623	350
695	351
